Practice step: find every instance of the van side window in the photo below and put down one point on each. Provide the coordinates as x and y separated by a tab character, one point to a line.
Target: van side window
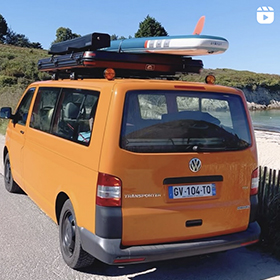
75	115
43	109
23	108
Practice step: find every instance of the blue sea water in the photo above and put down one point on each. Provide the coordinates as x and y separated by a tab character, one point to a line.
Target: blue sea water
266	120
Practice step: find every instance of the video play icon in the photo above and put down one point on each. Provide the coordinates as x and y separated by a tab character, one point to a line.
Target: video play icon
265	15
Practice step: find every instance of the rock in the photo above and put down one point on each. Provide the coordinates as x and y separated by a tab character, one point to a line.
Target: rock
274	104
262	98
254	106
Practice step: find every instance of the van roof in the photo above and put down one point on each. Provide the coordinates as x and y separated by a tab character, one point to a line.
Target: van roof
139	83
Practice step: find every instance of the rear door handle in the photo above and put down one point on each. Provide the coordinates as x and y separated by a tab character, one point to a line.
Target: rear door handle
21	131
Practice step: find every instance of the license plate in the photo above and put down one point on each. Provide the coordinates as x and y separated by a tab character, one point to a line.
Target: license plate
190	191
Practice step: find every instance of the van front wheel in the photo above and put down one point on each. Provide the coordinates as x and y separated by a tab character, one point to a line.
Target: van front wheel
10	185
69	238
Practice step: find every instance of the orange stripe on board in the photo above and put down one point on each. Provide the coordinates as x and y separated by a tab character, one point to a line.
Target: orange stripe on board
146	44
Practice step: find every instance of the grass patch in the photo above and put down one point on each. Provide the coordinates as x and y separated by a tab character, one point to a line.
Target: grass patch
3	126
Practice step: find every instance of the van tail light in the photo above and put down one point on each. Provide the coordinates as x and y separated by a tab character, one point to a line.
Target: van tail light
255	182
109	190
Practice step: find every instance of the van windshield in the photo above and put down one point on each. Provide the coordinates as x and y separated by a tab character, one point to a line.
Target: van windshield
183	121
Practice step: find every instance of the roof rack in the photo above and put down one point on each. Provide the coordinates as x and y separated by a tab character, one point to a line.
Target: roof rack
83	57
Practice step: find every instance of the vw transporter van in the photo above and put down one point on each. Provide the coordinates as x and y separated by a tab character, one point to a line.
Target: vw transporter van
135	170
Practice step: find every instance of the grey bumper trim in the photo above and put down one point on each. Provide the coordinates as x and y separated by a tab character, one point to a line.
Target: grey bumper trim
107	250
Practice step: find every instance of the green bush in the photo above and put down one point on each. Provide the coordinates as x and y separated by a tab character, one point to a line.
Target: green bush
10	95
7	81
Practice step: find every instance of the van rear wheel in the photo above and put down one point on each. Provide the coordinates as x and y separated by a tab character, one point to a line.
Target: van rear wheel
70	241
10	185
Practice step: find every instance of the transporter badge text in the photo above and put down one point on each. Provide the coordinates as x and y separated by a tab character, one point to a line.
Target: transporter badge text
142	195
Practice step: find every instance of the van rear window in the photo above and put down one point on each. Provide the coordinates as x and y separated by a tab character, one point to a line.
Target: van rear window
183	121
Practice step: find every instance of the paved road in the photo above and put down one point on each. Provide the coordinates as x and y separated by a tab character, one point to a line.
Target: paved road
29	249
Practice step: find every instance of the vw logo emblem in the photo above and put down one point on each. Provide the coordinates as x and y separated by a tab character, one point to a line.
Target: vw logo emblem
195	164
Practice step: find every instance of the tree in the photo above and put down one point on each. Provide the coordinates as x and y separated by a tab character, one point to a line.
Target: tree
3	28
11	37
116	37
36	45
20	40
149	27
64	34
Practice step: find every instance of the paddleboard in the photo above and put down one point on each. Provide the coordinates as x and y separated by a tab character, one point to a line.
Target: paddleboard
186	45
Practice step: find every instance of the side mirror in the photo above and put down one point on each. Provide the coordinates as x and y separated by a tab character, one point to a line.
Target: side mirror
6	113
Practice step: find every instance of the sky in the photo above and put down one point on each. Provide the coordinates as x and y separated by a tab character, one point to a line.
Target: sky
253	46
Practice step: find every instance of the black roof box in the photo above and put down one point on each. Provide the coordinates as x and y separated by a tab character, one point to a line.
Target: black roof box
90	42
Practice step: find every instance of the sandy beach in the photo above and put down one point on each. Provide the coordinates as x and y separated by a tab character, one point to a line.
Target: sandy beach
268	144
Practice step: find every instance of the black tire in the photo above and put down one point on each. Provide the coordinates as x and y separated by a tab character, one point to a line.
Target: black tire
10	185
70	241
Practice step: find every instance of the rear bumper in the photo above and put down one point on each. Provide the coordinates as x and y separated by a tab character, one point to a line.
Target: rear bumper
110	250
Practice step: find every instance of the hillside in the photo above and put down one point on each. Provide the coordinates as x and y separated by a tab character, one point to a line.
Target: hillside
262	91
18	68
238	79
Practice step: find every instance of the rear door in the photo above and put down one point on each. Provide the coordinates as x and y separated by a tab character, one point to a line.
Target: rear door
185	159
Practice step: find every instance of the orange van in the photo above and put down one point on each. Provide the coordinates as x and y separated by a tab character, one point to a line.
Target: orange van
133	170
136	170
